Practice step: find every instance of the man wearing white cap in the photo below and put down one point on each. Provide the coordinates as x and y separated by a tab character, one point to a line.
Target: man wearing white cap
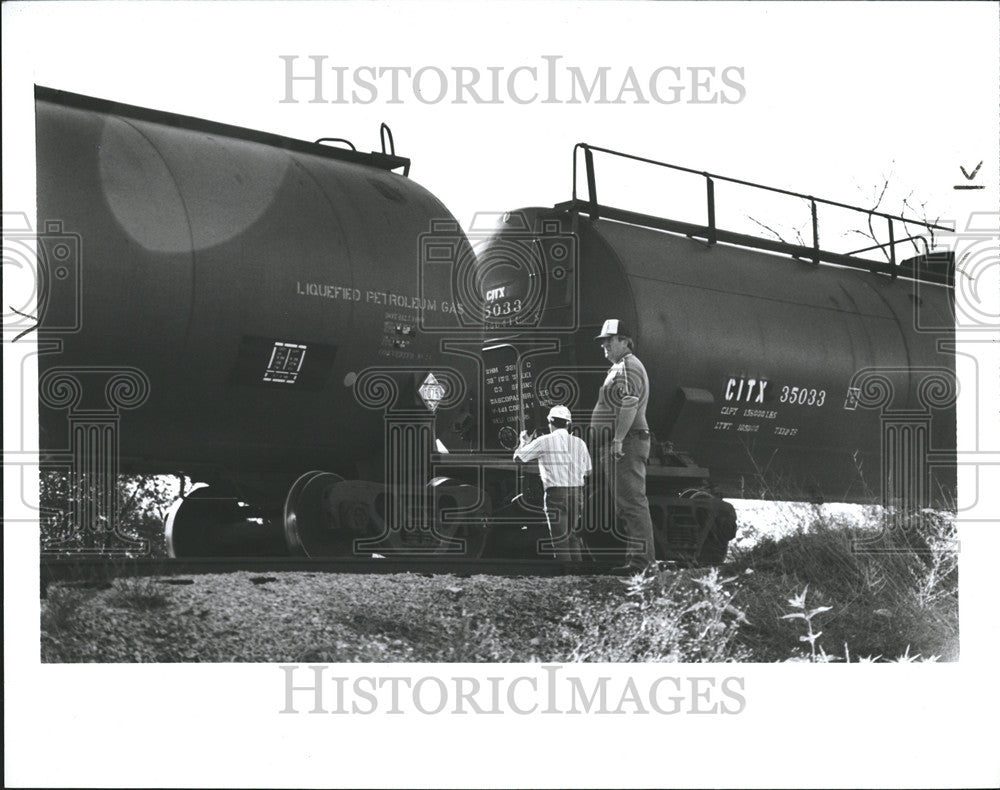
563	462
621	404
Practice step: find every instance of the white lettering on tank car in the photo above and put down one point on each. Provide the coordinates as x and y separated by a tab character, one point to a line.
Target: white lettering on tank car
746	390
327	291
802	396
760	413
348	294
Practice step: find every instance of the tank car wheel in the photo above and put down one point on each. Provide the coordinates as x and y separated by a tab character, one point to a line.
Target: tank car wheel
312	526
713	551
464	535
721	529
190	520
516	531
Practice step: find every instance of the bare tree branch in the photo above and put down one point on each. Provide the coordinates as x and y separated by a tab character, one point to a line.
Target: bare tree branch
878	202
922	218
768	229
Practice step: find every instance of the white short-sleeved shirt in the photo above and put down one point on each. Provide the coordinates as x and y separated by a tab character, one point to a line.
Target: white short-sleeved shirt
563	460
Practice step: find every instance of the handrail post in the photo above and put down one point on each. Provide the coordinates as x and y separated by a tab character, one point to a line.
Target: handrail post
588	156
815	222
892	250
575	149
382	132
710	193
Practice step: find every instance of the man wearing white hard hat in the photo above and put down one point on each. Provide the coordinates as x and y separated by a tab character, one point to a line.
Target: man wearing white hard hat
563	462
621	406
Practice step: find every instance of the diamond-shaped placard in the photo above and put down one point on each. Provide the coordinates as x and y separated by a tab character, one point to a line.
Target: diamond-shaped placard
432	392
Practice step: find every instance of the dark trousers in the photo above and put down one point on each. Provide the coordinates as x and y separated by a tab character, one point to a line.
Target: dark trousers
563	507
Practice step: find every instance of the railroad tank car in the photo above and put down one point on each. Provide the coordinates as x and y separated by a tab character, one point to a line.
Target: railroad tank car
776	370
239	307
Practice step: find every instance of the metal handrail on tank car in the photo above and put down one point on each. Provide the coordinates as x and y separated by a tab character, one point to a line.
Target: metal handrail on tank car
713	234
385	133
336	140
927	248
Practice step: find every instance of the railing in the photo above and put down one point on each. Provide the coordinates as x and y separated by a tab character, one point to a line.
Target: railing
713	233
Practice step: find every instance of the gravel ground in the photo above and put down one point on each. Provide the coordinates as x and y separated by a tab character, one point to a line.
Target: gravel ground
293	617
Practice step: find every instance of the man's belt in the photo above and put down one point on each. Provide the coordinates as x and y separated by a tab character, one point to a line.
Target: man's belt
639	433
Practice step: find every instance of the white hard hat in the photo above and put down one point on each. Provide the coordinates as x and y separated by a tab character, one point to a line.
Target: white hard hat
560	413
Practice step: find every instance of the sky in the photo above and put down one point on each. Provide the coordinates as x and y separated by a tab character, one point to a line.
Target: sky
828	99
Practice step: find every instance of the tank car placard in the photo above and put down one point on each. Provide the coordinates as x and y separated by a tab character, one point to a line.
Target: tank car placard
282	364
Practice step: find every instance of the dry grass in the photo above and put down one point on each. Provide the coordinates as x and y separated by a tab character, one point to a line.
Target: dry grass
891	589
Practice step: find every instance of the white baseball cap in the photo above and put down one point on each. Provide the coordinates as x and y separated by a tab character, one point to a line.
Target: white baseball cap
611	328
560	413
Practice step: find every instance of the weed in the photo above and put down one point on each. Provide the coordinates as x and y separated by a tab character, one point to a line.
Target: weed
799	602
61	608
139	592
891	584
672	616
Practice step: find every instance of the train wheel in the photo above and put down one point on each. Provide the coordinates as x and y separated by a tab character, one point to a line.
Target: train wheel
190	519
713	550
517	530
462	533
312	526
721	529
212	523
